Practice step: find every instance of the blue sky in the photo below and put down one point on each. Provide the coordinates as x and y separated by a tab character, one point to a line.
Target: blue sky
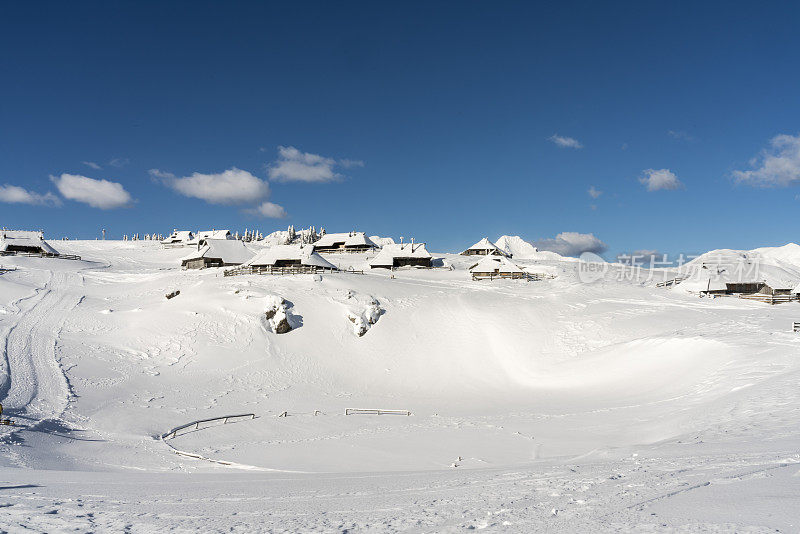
441	121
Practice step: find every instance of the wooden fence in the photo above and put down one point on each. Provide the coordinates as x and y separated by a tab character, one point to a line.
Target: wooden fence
374	411
796	326
771	299
195	425
296	269
672	282
512	276
41	255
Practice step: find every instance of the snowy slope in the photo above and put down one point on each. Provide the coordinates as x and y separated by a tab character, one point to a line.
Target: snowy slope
605	400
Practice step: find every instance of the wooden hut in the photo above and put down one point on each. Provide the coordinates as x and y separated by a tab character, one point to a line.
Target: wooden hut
200	238
289	256
402	255
218	253
484	247
496	267
25	242
349	242
179	237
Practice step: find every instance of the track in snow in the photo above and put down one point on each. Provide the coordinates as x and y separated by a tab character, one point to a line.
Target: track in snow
35	388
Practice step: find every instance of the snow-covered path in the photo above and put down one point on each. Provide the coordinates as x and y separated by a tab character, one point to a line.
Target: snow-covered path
35	389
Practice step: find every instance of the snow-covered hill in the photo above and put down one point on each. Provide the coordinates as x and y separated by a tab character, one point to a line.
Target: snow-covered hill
556	404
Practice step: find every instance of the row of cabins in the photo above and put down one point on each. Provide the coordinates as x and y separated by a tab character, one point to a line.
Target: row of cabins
188	238
222	251
231	252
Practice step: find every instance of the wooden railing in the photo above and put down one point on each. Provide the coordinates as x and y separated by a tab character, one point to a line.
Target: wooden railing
796	326
296	269
41	255
512	276
374	411
196	424
672	282
771	299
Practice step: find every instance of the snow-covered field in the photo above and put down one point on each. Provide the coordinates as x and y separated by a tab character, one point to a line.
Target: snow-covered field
553	405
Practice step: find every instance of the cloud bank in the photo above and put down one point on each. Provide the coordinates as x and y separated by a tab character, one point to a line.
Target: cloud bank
778	165
572	244
14	194
293	165
100	194
661	180
565	142
233	186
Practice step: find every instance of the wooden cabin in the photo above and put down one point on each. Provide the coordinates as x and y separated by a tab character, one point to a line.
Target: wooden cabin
496	267
218	253
484	247
287	256
350	242
396	255
178	237
25	242
200	238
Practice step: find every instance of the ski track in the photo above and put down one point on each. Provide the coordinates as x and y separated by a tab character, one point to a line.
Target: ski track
36	389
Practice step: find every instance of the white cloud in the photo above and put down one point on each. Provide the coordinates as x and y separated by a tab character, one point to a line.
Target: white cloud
565	142
778	165
269	210
594	192
14	194
97	193
660	179
92	165
572	244
233	186
119	162
682	136
293	165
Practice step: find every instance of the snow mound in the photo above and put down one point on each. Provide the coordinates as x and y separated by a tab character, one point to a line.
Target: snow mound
381	241
524	250
278	316
363	311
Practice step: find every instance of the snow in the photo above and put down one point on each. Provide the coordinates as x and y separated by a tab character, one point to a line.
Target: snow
555	405
520	249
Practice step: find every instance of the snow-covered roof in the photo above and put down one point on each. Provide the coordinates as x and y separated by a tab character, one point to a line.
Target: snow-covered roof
230	251
390	252
351	239
699	284
797	289
24	238
485	244
179	236
276	253
495	264
210	234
